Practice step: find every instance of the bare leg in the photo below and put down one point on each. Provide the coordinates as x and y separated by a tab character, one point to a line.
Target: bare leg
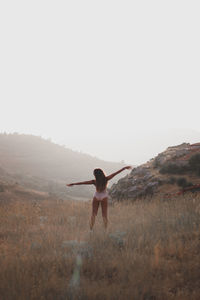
104	207
105	222
92	221
95	206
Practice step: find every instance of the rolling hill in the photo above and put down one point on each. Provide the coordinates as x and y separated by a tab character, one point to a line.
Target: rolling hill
39	164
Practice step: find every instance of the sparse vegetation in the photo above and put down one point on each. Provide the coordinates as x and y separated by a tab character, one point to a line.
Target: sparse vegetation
172	180
194	163
182	182
157	258
151	251
2	188
156	163
172	168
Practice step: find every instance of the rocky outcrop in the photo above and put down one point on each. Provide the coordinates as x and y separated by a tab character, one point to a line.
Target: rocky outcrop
148	179
140	182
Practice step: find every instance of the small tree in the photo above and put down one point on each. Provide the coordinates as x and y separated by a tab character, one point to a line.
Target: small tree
156	163
194	163
172	180
2	188
182	182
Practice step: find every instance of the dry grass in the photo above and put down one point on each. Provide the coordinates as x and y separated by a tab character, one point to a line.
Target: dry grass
157	259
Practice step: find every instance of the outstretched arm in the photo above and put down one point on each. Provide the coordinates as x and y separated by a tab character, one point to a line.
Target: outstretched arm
82	182
114	174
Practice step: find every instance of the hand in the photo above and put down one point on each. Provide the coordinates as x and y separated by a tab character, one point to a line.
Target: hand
128	168
71	184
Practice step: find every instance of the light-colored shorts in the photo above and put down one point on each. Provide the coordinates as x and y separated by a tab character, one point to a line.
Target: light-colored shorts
100	198
101	195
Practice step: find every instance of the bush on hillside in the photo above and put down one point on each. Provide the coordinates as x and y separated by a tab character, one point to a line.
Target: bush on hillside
172	180
171	168
182	182
2	189
194	163
156	163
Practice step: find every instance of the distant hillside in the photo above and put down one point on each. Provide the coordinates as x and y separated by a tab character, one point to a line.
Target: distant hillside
171	172
10	192
40	164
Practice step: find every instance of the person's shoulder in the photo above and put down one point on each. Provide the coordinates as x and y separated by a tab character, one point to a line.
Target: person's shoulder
94	181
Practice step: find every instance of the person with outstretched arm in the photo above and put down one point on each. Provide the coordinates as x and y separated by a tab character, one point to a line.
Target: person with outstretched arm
101	194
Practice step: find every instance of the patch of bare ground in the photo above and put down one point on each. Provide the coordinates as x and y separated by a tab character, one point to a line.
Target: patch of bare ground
151	250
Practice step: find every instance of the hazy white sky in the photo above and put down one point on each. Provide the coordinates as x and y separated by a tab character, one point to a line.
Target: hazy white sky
100	76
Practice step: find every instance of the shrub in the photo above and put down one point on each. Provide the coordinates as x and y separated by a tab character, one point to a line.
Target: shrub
194	163
182	182
156	163
170	168
2	189
172	180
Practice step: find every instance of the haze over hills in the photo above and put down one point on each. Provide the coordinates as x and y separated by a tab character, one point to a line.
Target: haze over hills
42	165
149	143
134	145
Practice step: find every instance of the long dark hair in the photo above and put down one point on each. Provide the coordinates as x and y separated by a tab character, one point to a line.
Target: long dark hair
101	179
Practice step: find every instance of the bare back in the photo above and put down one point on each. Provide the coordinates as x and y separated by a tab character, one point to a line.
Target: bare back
100	188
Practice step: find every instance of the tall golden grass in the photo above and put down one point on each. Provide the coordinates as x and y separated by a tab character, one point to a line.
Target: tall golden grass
158	257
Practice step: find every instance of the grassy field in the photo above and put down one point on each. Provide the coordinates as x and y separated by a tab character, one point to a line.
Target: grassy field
150	251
